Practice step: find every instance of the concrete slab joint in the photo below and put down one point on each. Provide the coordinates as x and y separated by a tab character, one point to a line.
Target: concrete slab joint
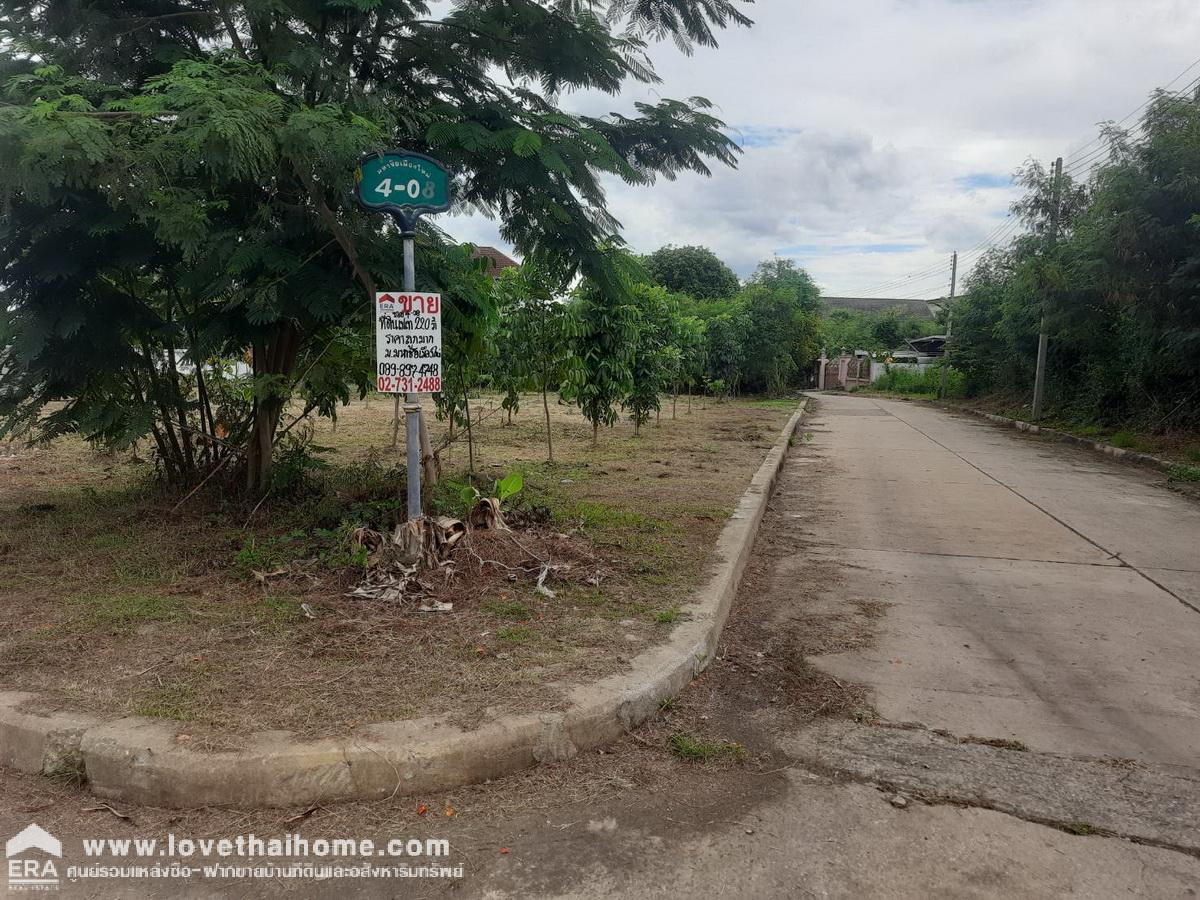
139	760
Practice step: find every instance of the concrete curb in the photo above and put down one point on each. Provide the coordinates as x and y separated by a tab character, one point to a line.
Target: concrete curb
138	760
1133	457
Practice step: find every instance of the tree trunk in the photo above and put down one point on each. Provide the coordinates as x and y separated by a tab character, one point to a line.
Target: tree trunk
595	434
274	356
549	440
430	468
470	436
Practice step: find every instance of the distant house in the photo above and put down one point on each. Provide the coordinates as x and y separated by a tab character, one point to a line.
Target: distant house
932	345
497	261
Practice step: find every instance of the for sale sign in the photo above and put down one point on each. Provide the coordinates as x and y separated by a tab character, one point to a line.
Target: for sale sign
408	343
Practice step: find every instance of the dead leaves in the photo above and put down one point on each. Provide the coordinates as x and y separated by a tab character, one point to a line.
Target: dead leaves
400	567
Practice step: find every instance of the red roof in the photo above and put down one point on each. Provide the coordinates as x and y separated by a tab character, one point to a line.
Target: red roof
497	261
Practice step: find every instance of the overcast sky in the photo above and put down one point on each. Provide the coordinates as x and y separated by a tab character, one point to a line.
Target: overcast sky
880	135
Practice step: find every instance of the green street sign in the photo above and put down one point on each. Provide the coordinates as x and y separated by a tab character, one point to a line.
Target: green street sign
402	183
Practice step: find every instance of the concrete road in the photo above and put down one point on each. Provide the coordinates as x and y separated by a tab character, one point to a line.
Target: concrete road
977	581
1036	592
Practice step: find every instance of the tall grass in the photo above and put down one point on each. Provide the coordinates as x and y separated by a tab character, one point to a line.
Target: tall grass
926	383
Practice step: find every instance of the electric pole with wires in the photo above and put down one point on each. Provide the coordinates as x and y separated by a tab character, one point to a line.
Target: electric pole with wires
1039	376
949	326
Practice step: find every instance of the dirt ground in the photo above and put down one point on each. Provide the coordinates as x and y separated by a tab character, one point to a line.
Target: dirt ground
231	619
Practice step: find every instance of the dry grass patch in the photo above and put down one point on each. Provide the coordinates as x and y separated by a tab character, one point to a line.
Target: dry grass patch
230	622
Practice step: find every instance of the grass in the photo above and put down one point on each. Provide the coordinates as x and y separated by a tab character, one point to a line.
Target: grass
174	700
1126	440
508	609
112	594
516	634
122	612
1184	473
699	750
926	384
668	616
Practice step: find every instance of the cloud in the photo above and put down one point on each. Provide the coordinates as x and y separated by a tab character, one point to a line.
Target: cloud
881	135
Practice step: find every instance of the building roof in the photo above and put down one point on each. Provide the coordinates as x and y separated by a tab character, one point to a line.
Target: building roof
930	345
497	260
920	308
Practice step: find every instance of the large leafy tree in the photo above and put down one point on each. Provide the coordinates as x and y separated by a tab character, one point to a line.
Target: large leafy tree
782	306
1119	284
175	184
695	271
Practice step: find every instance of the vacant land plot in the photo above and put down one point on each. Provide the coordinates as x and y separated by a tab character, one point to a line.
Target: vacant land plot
231	618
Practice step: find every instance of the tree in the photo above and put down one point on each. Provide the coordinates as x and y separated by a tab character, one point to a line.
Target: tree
726	349
695	271
690	347
601	330
653	356
782	321
175	187
532	344
849	329
1118	287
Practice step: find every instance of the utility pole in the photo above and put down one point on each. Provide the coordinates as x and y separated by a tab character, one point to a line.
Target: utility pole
1039	377
949	325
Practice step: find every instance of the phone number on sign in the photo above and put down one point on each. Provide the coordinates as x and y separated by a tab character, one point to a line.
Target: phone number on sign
406	384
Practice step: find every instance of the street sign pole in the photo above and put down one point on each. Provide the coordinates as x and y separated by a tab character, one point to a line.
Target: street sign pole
412	404
406	185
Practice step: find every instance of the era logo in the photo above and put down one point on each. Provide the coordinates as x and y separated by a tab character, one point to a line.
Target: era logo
26	872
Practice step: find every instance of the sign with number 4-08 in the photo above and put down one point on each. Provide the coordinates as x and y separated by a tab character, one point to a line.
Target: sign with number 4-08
408	343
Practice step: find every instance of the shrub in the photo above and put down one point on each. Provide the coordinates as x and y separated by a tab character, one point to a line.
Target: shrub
927	382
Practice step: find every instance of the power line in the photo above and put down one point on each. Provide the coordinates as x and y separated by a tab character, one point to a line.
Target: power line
908	281
1083	161
1072	157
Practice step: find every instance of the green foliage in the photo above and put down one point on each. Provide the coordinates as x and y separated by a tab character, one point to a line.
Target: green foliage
782	319
602	331
503	489
328	548
655	356
695	271
1184	473
531	348
926	383
850	329
509	486
175	199
1118	287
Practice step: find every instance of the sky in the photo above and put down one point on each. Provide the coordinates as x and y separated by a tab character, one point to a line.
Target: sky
881	135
